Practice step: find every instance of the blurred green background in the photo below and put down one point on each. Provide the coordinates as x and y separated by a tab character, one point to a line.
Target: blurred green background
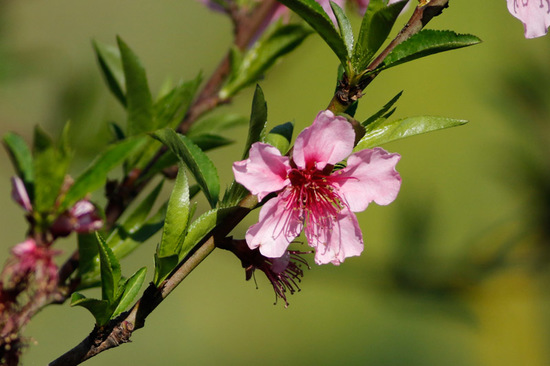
453	273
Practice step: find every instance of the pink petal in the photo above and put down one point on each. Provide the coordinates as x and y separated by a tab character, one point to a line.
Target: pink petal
328	140
19	194
26	248
344	240
265	170
275	229
534	14
371	176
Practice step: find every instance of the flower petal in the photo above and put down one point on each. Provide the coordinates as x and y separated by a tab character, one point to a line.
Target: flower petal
344	240
265	170
276	228
19	193
534	14
328	140
370	176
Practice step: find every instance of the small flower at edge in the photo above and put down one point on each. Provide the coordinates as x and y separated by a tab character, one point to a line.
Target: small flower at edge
313	198
82	218
534	14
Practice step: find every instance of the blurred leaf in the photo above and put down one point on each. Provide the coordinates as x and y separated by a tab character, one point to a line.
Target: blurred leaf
195	159
116	130
110	270
345	28
95	175
385	131
99	308
175	227
375	28
280	136
21	158
262	56
314	14
171	108
139	103
110	63
87	254
216	123
50	166
208	141
427	42
131	289
383	112
258	120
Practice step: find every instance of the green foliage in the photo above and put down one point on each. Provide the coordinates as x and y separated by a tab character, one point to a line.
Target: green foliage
216	123
170	109
116	294
314	14
139	103
175	228
110	64
258	120
383	131
375	28
96	174
21	158
344	27
427	42
385	112
246	70
280	136
50	164
198	163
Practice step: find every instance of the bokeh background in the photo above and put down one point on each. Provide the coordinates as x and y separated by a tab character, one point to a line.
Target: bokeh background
455	272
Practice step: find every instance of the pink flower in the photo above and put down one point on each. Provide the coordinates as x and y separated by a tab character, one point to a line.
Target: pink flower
32	258
82	218
19	193
534	14
311	196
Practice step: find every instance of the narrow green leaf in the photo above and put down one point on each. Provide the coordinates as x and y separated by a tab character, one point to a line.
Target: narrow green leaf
50	166
383	112
139	102
314	14
384	131
100	309
110	270
375	28
163	267
116	130
130	290
110	63
96	174
172	107
21	157
216	123
263	55
280	137
175	227
208	141
195	159
258	120
345	27
427	42
87	254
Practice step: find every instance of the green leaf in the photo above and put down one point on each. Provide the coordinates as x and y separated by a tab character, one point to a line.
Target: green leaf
384	112
216	123
262	56
130	290
258	120
21	157
110	63
427	42
314	14
280	137
139	103
175	227
95	175
110	270
195	159
50	166
208	141
171	108
87	254
345	28
100	309
384	131
375	28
